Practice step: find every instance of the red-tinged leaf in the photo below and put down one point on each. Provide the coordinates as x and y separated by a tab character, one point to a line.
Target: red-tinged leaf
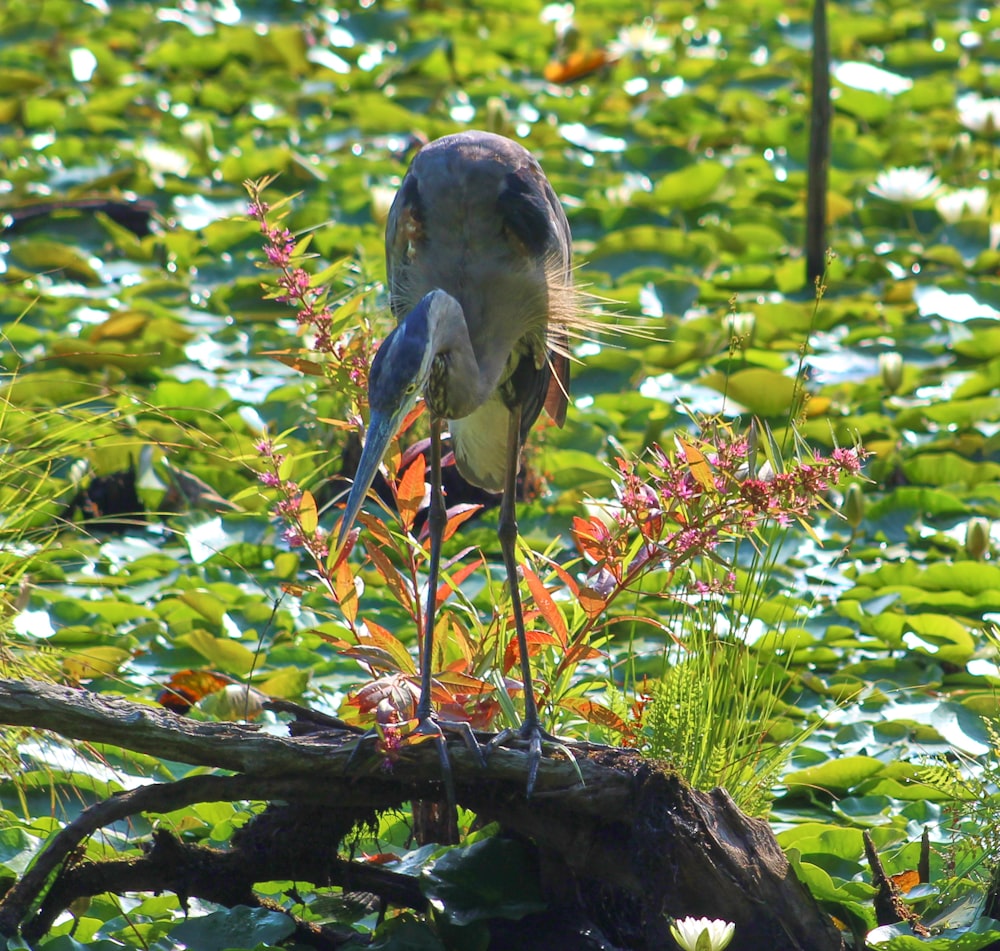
345	591
463	684
377	529
698	465
594	712
396	689
372	633
419	448
455	579
393	579
592	602
537	641
372	658
381	858
591	536
410	491
577	653
564	576
308	513
458	514
187	687
481	716
411	417
295	360
442	695
548	608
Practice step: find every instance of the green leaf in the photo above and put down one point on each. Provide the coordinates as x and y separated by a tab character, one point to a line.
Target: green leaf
901	937
238	927
762	392
222	652
17	849
405	933
493	878
836	775
691	186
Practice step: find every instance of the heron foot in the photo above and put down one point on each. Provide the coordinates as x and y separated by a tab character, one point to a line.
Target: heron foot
532	737
429	728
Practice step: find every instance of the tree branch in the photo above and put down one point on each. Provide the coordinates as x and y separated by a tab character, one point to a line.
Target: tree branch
627	848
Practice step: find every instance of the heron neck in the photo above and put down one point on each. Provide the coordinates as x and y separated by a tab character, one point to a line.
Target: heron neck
460	381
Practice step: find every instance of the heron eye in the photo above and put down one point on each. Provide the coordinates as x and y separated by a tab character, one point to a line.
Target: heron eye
411	388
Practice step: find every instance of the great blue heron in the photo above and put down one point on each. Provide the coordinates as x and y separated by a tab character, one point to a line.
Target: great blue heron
479	263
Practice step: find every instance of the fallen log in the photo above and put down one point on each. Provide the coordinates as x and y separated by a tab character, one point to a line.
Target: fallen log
622	844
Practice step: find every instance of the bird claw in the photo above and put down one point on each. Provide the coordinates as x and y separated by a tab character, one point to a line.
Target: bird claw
431	728
533	737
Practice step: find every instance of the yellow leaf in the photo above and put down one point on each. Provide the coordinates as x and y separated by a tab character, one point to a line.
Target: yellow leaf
120	326
698	465
221	652
308	513
93	662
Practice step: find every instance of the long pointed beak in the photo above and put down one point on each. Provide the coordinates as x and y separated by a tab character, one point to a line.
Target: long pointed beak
381	429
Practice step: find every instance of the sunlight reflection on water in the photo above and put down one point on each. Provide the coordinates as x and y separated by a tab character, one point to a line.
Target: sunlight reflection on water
933	301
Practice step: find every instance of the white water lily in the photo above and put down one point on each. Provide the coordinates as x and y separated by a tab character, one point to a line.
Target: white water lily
640	39
962	203
978	114
905	185
702	934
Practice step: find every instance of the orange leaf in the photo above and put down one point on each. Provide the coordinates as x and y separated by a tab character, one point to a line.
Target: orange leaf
308	513
592	537
591	602
376	527
545	604
594	712
904	881
454	580
292	358
410	491
579	651
186	687
295	590
391	576
537	640
698	465
576	65
378	636
458	514
345	591
411	417
381	858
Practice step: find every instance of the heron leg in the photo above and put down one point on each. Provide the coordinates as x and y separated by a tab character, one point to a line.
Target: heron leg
531	731
437	518
429	726
427	723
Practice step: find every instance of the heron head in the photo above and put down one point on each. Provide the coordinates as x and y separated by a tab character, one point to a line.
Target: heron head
399	372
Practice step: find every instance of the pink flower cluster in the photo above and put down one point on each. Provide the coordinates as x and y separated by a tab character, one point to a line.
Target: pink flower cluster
295	283
679	505
289	504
